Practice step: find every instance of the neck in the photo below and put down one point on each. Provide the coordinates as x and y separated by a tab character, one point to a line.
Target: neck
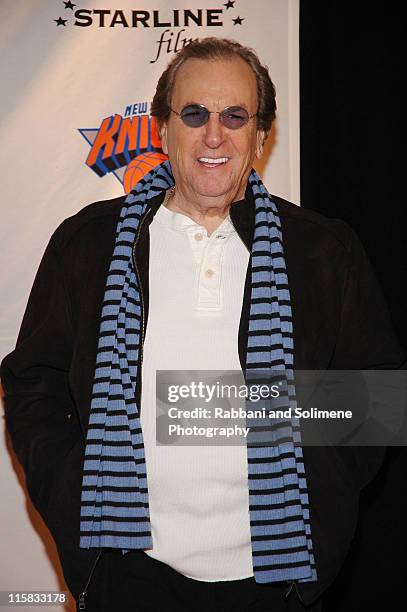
210	217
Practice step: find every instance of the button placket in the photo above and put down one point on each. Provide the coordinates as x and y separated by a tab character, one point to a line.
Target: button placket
209	280
198	239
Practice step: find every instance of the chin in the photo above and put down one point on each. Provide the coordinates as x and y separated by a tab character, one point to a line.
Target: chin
214	191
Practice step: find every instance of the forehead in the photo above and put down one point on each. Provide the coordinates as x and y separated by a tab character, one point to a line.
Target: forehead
216	83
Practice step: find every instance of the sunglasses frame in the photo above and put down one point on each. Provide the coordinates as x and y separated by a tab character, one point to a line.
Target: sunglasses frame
220	113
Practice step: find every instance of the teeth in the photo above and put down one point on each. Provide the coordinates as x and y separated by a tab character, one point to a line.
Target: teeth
211	160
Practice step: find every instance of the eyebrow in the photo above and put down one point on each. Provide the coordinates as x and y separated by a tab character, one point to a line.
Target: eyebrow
193	103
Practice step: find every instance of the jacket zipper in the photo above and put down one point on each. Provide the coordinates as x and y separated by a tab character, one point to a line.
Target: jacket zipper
287	594
293	584
298	592
82	595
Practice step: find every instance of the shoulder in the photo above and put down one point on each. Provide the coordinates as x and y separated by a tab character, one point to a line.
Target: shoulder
307	227
92	220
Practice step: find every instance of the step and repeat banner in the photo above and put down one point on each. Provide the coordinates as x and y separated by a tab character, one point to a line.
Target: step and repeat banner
77	83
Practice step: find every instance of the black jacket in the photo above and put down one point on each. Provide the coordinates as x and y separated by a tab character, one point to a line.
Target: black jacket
340	321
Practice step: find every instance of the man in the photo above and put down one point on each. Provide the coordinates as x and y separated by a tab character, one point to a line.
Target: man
208	272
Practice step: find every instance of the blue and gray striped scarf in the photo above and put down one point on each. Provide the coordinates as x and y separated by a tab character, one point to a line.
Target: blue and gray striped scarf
114	502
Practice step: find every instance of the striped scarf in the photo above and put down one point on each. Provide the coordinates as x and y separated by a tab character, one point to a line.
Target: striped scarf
114	501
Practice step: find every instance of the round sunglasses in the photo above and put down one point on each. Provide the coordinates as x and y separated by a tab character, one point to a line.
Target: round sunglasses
196	115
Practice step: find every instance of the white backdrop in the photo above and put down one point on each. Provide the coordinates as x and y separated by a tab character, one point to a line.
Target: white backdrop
63	71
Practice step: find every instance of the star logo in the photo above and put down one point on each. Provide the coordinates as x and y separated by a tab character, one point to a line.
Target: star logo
238	20
69	5
60	21
229	4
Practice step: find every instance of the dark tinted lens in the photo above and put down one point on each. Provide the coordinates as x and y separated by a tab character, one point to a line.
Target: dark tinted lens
194	116
234	117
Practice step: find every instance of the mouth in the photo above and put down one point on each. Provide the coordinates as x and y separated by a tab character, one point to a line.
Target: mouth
213	162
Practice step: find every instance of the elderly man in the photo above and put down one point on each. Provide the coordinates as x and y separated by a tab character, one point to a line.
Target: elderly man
208	272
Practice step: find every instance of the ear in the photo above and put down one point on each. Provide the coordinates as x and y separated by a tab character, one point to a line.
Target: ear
260	139
163	138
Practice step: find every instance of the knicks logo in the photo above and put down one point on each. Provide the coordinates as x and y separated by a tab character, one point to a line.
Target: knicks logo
127	147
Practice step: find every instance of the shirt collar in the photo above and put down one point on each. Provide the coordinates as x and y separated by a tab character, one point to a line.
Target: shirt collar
179	221
241	214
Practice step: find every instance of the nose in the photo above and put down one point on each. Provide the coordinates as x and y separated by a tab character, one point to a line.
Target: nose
213	134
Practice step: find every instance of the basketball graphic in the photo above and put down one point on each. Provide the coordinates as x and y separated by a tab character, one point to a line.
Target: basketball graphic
139	166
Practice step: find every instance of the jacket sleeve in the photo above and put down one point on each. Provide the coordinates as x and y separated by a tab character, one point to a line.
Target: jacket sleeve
39	412
366	341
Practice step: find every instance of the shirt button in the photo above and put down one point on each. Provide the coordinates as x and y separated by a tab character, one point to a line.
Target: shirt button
209	273
198	236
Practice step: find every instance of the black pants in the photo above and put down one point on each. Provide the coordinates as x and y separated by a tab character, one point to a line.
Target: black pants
135	582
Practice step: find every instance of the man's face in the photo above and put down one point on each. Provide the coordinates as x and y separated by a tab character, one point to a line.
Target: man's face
216	84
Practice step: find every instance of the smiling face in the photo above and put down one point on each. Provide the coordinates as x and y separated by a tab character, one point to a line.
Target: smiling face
216	84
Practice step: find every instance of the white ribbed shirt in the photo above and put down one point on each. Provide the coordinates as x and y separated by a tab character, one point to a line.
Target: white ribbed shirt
198	496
